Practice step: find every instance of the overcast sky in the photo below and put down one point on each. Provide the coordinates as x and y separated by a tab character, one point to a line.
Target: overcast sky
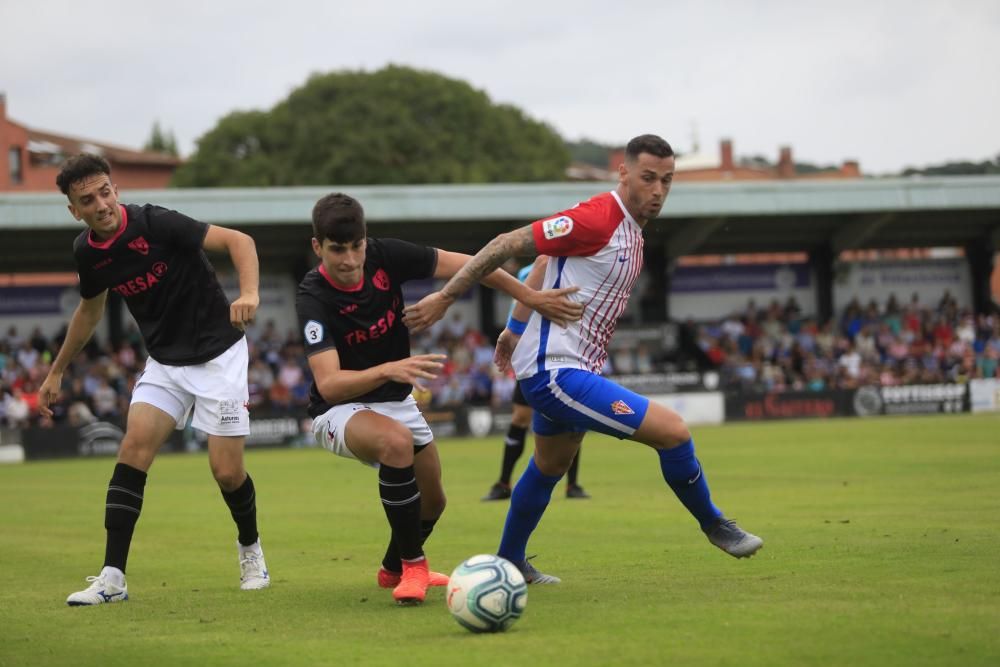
890	84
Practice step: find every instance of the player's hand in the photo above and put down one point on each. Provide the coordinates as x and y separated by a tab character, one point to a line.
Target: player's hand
506	343
243	310
48	393
556	306
413	370
427	311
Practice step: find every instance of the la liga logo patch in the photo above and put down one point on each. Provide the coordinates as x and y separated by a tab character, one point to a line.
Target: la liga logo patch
556	227
621	408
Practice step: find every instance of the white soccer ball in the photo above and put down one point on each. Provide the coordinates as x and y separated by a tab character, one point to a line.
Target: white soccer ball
487	593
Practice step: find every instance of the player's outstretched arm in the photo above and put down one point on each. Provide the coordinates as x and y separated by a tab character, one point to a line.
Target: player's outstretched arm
243	251
507	340
430	309
336	384
85	319
553	304
533	281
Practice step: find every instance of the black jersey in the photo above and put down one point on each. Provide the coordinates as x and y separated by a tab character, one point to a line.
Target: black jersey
156	262
365	324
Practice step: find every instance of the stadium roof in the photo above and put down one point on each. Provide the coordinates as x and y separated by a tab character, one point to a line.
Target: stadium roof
699	218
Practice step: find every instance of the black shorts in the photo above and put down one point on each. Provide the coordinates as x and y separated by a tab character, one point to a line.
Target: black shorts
517	398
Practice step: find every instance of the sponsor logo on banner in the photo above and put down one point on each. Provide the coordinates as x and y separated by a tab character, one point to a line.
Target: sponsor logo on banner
923	398
99	439
984	395
777	406
556	227
867	401
273	431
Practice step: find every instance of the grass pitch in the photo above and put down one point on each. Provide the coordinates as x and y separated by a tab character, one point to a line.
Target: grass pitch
882	547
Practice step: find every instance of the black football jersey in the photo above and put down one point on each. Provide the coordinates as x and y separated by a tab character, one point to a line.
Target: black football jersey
156	262
365	325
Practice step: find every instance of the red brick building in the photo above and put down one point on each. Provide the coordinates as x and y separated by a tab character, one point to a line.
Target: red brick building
30	159
703	166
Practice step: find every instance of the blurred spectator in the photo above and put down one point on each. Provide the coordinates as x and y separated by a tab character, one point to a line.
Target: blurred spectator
16	410
105	401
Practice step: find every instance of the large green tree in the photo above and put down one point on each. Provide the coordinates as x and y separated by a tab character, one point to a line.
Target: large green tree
396	125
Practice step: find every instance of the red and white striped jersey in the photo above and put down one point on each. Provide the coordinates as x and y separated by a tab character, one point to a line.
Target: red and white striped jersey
596	246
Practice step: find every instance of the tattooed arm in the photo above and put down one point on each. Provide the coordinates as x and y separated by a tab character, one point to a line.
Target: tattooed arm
518	243
430	309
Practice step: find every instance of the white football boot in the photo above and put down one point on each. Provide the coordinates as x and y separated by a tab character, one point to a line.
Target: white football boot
253	569
102	590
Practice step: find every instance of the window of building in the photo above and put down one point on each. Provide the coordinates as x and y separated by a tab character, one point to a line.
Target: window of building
14	160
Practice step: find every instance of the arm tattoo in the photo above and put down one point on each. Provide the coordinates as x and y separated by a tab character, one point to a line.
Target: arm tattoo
486	261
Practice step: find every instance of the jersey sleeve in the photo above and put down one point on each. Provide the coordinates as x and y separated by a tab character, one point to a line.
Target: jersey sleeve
176	228
89	288
408	261
576	232
316	335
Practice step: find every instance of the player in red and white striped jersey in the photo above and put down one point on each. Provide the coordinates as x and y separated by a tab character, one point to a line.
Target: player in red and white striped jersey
595	246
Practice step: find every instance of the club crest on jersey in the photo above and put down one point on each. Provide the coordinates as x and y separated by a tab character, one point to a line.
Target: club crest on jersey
556	227
381	280
139	245
621	408
313	332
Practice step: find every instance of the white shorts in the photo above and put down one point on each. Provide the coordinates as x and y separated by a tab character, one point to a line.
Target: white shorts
216	390
329	427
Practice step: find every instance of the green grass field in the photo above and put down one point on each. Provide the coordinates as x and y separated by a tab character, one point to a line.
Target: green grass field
882	547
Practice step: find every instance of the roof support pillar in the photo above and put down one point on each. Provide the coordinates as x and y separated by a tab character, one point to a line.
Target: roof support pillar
821	261
980	258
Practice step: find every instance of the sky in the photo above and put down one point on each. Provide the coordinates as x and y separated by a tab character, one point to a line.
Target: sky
890	84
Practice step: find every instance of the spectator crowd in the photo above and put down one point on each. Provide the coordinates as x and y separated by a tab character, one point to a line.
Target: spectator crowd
775	348
778	349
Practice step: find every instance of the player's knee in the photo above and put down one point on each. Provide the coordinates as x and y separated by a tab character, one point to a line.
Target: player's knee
677	434
396	446
228	478
136	452
553	464
673	433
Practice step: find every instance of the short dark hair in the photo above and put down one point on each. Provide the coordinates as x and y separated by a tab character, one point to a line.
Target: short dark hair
648	143
339	218
80	167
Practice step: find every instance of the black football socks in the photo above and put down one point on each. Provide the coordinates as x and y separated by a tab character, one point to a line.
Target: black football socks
121	511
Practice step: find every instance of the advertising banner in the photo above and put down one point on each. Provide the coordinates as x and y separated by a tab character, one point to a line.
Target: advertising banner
745	406
863	402
984	395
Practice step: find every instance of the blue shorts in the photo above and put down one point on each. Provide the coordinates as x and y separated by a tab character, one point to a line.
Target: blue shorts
570	400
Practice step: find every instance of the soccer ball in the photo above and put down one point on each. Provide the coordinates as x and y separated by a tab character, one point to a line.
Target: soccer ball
487	593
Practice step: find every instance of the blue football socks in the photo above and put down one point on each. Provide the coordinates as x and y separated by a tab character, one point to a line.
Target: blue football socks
527	504
684	475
